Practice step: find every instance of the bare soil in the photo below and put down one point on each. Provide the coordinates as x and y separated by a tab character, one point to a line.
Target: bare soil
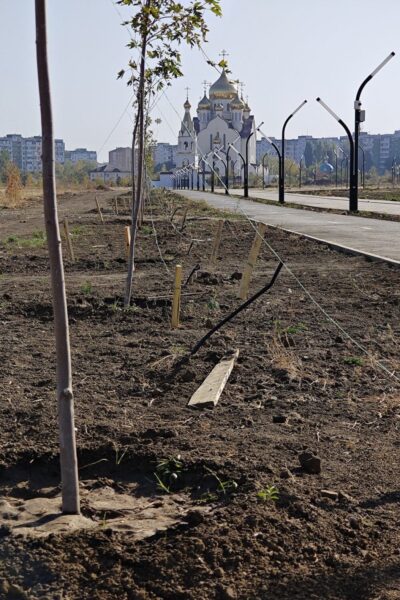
299	384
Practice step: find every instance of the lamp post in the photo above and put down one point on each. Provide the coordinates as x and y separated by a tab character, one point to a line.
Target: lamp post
282	169
336	173
240	156
363	166
353	205
227	172
300	169
263	166
359	118
275	147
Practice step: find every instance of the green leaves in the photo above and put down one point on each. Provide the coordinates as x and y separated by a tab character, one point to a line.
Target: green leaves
166	24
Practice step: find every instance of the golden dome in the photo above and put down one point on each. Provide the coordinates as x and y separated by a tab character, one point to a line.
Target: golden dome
237	103
204	103
223	89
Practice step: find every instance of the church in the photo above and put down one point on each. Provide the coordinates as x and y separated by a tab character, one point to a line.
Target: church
223	119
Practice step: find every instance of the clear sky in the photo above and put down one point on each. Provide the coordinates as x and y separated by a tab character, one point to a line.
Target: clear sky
284	51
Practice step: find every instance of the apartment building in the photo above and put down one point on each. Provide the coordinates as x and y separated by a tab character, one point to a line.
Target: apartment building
81	154
26	153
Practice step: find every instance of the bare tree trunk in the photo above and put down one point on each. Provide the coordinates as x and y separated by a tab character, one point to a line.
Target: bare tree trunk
134	218
139	187
68	458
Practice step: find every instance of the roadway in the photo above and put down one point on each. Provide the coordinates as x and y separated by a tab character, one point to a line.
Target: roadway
374	237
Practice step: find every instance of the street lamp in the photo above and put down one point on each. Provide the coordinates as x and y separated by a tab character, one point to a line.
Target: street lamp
282	170
353	205
336	171
246	166
363	166
300	169
263	166
359	118
275	148
239	154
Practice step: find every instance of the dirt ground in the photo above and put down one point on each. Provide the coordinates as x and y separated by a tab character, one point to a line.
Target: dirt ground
299	384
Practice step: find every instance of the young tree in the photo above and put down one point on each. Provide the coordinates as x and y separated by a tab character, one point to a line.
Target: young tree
69	467
161	26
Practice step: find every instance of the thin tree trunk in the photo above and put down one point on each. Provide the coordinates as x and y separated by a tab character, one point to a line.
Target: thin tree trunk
68	458
139	188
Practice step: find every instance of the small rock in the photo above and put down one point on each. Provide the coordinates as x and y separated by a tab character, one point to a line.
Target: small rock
310	463
329	494
195	517
227	593
4	586
279	419
285	474
236	276
354	523
219	572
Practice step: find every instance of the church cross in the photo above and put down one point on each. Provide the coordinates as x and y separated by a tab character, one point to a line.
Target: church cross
242	86
206	83
224	54
187	92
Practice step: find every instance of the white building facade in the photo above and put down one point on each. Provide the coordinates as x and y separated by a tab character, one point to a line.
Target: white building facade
223	130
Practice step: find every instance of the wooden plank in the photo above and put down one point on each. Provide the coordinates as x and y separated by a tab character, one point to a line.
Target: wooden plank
251	261
212	387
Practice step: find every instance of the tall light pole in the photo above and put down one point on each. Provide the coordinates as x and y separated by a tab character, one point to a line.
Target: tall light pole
239	154
353	204
282	170
300	169
363	166
336	173
275	147
246	166
359	118
263	166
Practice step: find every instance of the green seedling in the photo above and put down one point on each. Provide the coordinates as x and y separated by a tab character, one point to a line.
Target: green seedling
147	230
213	304
354	361
86	288
224	487
168	472
292	329
270	494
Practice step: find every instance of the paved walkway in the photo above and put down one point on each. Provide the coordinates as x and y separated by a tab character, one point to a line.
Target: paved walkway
366	236
379	206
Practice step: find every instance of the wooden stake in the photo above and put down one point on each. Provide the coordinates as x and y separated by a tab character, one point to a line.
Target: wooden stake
217	242
184	218
176	302
127	239
99	209
69	240
116	205
251	261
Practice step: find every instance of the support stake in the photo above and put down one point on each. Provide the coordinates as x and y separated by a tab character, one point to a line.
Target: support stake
127	239
99	210
251	261
69	240
176	302
217	242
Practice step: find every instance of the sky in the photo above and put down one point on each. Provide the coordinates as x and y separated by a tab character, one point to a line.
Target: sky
284	51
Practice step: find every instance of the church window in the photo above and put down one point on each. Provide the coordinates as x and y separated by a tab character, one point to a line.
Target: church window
224	140
186	145
211	144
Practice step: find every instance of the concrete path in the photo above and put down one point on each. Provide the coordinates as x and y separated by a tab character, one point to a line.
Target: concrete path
379	206
373	237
